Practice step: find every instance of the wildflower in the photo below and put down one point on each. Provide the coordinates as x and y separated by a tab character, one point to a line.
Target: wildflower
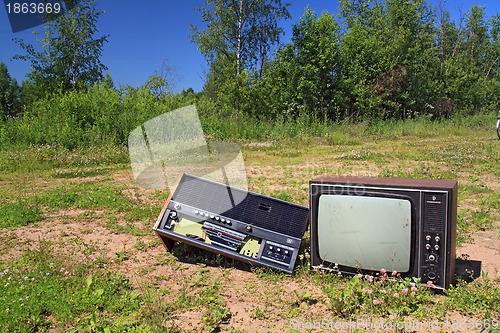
8	310
376	302
404	291
396	295
360	276
383	271
414	289
394	273
430	284
383	291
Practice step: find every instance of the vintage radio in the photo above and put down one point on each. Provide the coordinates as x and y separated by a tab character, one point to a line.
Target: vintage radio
237	223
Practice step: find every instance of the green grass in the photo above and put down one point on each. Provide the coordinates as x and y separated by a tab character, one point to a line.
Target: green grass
139	287
40	291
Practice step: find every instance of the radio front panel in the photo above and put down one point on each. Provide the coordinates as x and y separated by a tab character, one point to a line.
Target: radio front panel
260	234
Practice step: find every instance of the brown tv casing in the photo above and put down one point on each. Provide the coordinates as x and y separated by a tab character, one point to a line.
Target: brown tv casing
433	222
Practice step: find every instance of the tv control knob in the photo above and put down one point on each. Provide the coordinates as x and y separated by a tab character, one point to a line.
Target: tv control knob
217	218
223	220
206	215
278	250
431	257
428	246
286	252
431	275
196	212
173	215
177	205
249	228
271	247
428	237
437	239
436	247
228	222
212	216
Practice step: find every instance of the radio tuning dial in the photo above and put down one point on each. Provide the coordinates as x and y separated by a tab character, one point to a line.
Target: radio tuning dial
432	257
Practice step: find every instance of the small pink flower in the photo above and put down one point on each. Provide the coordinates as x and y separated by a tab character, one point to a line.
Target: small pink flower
414	289
394	273
376	302
383	291
360	276
383	271
404	291
396	295
430	284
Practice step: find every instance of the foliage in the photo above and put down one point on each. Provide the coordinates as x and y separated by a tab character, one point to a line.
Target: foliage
383	295
9	95
70	53
481	296
238	35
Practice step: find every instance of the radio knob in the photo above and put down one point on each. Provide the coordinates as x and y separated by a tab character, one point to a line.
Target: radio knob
428	237
431	275
212	216
278	250
437	239
196	212
249	228
271	247
286	252
228	222
431	257
173	215
223	220
206	215
428	246
436	247
217	218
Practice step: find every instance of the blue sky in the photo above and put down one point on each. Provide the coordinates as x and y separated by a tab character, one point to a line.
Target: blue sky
144	33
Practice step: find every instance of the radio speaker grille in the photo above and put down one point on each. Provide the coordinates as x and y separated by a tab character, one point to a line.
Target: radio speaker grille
238	204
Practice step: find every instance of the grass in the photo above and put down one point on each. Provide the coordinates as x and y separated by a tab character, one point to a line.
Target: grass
77	253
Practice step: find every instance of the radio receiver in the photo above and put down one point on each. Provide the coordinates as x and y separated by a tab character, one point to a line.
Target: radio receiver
240	224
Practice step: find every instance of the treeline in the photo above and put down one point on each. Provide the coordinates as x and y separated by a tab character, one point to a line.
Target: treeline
392	59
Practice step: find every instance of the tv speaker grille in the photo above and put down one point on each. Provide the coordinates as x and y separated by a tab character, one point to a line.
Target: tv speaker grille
434	212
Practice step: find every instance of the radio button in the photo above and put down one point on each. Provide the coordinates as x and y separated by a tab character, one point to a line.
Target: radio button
212	216
428	246
437	239
428	237
436	247
196	212
228	222
431	257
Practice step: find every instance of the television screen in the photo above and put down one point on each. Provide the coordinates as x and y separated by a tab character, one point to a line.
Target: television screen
365	232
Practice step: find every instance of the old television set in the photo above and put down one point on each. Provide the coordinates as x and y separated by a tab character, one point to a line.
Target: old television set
363	225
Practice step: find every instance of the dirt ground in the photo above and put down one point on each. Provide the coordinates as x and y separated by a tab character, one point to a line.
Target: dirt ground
256	305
